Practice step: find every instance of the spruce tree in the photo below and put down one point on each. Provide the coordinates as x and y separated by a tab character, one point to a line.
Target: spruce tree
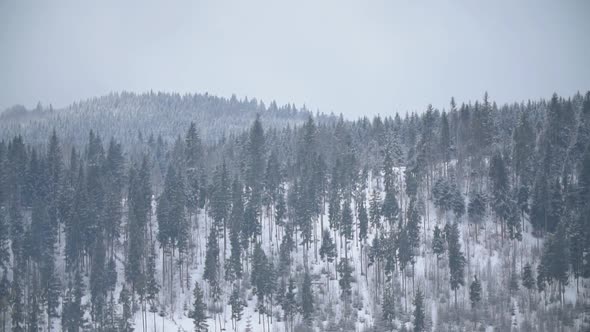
237	305
345	281
475	293
197	314
211	272
419	315
289	303
363	221
328	248
126	302
346	226
375	209
528	279
456	260
388	306
438	247
307	307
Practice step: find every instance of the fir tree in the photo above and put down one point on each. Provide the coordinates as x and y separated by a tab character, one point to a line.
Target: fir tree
363	220
125	300
528	279
375	209
328	248
438	247
388	306
419	316
211	273
307	299
289	303
237	305
345	281
197	314
456	260
475	293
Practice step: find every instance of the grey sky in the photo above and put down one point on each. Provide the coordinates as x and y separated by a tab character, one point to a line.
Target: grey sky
354	57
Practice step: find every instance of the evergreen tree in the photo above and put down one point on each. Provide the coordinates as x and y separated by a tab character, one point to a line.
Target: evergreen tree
553	260
528	279
345	281
197	314
289	303
307	299
4	241
388	306
475	293
73	309
476	209
375	209
445	139
4	299
211	273
237	305
126	320
419	316
18	306
346	224
524	143
363	221
390	207
456	260
260	276
438	247
328	248
152	287
255	162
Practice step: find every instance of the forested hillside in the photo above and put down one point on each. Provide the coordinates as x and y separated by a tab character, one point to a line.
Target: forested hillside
132	118
471	218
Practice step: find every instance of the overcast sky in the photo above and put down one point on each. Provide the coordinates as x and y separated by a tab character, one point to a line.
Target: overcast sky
361	57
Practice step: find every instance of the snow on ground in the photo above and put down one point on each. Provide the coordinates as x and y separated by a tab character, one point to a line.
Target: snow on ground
481	261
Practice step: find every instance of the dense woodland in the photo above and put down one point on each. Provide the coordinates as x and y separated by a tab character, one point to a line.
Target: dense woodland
474	217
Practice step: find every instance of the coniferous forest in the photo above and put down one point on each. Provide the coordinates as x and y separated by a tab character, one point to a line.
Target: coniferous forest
161	212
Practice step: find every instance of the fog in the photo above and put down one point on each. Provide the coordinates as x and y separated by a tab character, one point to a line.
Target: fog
354	58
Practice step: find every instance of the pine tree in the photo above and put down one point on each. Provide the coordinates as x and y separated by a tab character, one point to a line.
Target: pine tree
328	248
197	314
126	320
524	143
233	268
419	316
456	260
553	261
375	209
4	298
388	306
237	305
475	293
345	281
18	307
73	309
211	273
307	299
346	225
4	241
289	303
255	162
152	287
476	209
363	220
259	277
390	208
438	247
528	279
445	139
